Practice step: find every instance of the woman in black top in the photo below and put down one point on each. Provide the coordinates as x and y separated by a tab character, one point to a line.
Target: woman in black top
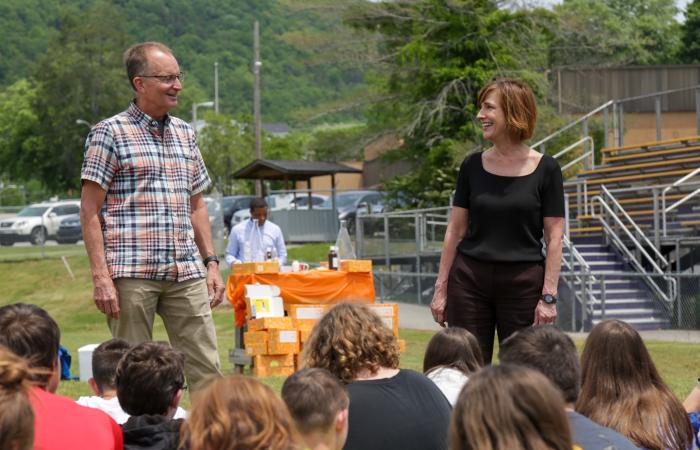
492	273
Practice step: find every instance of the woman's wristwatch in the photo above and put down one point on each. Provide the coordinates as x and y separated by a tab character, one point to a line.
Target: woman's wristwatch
548	299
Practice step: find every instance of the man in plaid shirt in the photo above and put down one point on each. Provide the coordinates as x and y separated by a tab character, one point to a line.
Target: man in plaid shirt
145	223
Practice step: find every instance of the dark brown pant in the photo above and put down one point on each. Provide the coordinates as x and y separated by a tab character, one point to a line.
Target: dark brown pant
484	296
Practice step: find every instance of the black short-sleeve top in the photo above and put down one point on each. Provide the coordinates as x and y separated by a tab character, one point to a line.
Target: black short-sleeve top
506	214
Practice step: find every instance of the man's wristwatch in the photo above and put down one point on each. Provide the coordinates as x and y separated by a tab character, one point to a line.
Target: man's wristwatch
209	259
548	299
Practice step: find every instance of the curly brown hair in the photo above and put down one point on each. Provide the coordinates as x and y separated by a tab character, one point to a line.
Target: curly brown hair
239	413
348	339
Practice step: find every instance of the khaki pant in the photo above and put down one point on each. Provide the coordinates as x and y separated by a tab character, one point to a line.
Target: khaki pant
184	308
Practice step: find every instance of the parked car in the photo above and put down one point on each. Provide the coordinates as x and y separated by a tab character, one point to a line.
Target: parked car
69	230
350	204
36	223
233	204
276	202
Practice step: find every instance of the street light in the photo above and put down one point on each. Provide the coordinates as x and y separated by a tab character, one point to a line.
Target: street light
194	111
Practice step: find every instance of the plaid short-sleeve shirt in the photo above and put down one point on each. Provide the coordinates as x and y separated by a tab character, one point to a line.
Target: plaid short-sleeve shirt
149	179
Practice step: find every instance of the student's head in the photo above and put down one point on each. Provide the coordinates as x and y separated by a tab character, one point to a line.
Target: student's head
515	105
258	210
150	379
239	413
453	347
351	339
105	359
16	413
621	389
318	403
29	332
549	350
507	407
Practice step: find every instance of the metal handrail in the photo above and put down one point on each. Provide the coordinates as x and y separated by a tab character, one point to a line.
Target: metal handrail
573	124
681	181
589	153
632	259
656	94
634	225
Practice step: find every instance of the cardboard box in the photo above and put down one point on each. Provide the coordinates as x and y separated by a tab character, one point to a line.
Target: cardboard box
255	342
385	309
392	324
281	341
273	365
304	324
356	265
267	323
304	335
256	267
307	311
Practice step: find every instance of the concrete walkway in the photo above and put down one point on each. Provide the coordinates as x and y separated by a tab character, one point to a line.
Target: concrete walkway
418	317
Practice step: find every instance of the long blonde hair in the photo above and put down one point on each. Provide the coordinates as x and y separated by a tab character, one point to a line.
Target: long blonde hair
16	412
621	389
239	413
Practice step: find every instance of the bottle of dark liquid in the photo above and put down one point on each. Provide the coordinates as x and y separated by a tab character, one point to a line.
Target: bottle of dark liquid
268	254
333	258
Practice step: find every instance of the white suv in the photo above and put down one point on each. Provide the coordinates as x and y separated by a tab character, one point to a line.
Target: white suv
37	222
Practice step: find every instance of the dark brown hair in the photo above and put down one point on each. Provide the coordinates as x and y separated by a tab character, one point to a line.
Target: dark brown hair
16	412
518	104
30	332
239	413
105	359
509	407
348	339
136	58
314	396
621	389
148	377
453	347
549	350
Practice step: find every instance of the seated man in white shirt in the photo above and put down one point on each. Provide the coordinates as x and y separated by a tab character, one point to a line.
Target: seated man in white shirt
248	242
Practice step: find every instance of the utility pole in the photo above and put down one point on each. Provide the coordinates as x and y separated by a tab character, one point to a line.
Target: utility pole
216	87
256	102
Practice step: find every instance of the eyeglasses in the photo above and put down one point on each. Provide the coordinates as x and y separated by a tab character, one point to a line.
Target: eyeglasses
166	79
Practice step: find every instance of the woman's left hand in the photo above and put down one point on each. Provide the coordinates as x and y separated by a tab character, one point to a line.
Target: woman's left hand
545	313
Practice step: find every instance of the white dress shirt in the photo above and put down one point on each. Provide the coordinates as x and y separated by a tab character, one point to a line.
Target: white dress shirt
260	238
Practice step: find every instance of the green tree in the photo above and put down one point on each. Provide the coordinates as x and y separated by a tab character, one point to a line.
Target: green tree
614	32
689	50
226	146
80	77
434	56
19	126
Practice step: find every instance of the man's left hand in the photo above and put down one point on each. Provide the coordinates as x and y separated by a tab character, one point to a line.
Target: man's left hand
545	313
215	284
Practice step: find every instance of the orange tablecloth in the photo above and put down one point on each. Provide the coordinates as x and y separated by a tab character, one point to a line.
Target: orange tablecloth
312	287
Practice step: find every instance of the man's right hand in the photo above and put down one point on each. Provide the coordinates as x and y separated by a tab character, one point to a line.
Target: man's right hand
437	306
106	296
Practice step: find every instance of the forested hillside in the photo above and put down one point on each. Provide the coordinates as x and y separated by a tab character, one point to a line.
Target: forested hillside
200	33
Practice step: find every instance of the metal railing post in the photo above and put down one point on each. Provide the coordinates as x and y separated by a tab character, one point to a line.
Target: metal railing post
417	222
586	146
657	110
657	236
602	296
387	259
621	125
359	236
605	128
697	110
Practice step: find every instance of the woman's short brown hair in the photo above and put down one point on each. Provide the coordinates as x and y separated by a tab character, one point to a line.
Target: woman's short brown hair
453	347
505	407
239	412
518	104
351	338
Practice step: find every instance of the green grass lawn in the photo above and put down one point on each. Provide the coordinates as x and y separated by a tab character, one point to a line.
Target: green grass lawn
45	282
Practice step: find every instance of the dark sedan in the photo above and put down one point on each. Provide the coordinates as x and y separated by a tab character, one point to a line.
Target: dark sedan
69	231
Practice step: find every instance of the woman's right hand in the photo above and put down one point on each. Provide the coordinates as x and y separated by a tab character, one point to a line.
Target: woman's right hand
437	306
